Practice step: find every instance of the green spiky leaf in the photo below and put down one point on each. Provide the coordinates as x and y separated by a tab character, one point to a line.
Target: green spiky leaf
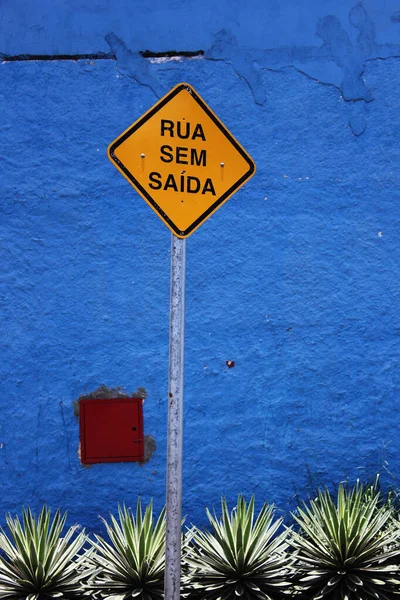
243	557
132	563
347	547
38	563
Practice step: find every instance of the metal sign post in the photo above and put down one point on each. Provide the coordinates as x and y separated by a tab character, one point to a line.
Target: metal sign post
185	164
175	419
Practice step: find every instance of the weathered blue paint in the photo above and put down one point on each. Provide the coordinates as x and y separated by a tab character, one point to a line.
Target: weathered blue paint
295	279
80	26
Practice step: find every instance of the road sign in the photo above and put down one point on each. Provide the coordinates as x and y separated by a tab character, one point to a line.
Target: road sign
185	163
182	160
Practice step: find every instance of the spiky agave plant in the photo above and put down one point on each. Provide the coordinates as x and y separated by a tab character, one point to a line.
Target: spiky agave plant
348	549
133	563
242	557
39	564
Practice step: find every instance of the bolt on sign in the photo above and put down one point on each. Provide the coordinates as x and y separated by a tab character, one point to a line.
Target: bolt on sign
182	160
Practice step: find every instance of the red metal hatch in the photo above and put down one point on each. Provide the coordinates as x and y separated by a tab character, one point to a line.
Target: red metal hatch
111	430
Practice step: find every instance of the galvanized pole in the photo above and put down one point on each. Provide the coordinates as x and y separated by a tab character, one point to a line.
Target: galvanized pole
175	420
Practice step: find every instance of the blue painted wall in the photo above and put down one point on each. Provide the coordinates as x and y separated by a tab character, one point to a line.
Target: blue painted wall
295	279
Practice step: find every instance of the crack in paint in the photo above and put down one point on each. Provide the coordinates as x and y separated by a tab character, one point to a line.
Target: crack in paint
172	54
49	57
337	62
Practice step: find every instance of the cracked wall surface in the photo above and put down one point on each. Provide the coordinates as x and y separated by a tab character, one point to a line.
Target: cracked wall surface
294	281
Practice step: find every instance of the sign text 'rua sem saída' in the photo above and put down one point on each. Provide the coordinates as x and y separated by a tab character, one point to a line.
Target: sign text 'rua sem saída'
182	155
182	160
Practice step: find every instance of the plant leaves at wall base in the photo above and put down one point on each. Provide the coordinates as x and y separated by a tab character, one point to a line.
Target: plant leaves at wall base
38	563
242	558
348	549
132	564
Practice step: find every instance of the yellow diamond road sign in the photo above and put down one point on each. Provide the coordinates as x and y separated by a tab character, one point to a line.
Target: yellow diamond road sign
182	160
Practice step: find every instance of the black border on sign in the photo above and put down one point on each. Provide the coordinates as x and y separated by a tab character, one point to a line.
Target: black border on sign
144	192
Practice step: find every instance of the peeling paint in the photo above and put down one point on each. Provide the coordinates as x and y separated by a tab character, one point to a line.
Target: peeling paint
83	465
178	58
338	61
149	447
134	65
104	392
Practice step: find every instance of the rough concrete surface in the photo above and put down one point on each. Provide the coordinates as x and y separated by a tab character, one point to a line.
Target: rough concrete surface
294	281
